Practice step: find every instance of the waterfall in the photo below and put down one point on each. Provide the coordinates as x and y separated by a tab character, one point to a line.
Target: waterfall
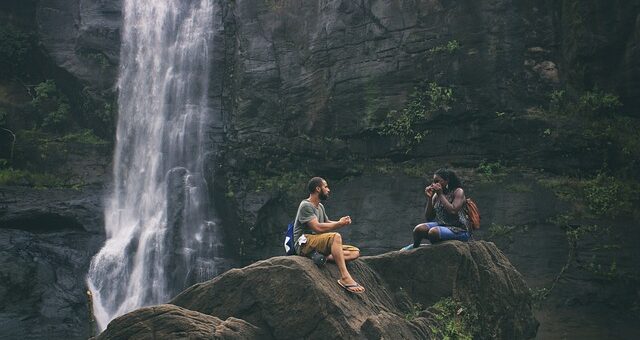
159	233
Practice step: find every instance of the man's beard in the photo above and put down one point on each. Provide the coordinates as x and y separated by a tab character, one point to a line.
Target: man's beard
323	196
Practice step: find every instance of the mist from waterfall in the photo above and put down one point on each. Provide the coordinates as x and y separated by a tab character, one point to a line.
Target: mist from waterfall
159	237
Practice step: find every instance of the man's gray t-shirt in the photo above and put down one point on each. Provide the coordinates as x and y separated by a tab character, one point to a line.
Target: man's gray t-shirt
306	212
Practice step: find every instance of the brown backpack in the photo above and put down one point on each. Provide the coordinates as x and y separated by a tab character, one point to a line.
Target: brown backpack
473	213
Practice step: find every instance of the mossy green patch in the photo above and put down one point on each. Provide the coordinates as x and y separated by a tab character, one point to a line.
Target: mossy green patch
454	320
10	176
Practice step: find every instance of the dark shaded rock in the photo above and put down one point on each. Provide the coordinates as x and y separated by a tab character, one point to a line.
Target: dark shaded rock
47	239
83	38
172	322
291	298
52	210
476	273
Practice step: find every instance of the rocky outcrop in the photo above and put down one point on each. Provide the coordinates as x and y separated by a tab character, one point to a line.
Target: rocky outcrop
47	238
172	322
290	298
83	37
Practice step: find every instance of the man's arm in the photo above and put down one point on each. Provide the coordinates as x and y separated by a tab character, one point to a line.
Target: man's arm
328	226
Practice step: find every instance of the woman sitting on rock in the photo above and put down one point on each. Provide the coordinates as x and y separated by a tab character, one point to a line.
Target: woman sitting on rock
445	211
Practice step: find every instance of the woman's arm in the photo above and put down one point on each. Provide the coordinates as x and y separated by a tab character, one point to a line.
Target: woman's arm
456	205
429	213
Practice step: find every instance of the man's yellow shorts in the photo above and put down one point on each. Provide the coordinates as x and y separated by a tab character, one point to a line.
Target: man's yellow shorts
322	244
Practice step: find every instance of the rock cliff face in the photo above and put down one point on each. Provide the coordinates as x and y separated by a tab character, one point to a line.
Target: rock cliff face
83	37
46	244
299	88
308	85
290	298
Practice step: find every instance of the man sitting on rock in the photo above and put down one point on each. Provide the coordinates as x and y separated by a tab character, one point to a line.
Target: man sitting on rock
313	231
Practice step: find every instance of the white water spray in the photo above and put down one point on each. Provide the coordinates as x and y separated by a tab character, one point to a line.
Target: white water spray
159	238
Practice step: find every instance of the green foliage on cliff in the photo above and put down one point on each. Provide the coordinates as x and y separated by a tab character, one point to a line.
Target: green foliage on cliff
490	171
594	127
15	46
53	107
592	104
450	47
455	320
291	183
11	176
608	196
603	195
408	124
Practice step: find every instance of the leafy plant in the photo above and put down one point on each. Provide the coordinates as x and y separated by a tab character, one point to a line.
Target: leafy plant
450	47
83	137
454	320
598	102
15	46
10	176
414	312
538	295
291	183
407	124
607	196
489	171
53	106
499	230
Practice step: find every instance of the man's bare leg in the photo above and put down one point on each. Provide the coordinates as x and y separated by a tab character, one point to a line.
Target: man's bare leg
338	256
349	255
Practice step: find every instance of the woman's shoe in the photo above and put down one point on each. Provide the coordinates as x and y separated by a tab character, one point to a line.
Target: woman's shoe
405	248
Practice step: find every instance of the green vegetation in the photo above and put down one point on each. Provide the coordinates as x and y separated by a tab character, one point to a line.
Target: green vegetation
607	136
414	312
490	172
499	230
607	196
291	183
413	168
603	266
409	123
99	59
10	176
450	47
454	320
518	187
83	137
600	196
538	295
53	107
15	47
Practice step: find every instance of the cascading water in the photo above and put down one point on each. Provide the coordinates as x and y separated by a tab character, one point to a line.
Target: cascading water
159	238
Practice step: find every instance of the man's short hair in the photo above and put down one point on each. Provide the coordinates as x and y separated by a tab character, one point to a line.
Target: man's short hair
314	183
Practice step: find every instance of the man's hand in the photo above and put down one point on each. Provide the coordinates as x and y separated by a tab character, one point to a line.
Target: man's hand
344	220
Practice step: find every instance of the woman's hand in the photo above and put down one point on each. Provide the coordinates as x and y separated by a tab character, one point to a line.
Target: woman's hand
437	188
428	191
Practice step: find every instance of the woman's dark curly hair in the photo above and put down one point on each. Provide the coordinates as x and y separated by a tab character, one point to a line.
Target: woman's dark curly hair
450	176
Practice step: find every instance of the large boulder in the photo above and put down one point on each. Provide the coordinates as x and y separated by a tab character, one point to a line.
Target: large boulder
290	298
172	322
